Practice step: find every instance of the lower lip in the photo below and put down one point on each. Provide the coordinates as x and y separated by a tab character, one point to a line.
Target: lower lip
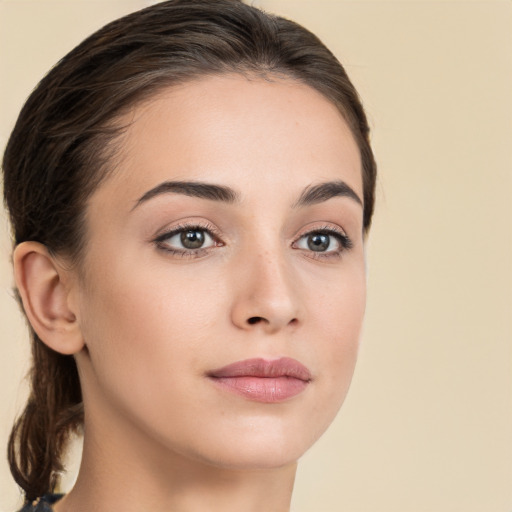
263	389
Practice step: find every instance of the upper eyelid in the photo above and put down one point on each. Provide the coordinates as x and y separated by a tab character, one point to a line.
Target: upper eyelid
337	230
171	231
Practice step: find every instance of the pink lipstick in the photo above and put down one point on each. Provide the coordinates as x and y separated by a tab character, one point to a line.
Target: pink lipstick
262	380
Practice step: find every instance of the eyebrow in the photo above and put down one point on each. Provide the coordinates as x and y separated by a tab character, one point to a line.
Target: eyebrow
311	195
324	191
192	189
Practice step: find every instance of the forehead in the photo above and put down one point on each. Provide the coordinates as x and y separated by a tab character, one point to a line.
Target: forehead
240	131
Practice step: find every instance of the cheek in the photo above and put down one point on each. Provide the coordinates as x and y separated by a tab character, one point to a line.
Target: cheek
149	326
140	295
336	307
338	315
145	338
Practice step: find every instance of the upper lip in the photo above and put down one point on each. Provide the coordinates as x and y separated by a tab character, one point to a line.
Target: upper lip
259	367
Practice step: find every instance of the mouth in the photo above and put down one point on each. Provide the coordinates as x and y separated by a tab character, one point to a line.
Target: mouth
264	381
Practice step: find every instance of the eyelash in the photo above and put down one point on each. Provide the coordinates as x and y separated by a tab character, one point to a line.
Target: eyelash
345	243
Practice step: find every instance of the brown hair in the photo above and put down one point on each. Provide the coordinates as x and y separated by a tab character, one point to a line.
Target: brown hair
64	140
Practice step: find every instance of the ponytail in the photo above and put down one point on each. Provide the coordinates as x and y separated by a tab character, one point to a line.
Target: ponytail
52	413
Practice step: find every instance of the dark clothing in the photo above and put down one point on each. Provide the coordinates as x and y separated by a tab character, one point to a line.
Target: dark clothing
43	504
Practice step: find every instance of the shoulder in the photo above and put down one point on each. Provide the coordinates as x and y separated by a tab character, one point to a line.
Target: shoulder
43	504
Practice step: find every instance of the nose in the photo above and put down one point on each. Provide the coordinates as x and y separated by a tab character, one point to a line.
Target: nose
266	297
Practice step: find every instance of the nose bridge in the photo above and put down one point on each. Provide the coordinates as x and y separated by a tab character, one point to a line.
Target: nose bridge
266	291
272	278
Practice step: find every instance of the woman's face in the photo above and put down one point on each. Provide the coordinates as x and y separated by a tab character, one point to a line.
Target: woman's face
223	287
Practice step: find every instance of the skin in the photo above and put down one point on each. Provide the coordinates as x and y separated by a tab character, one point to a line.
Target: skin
150	323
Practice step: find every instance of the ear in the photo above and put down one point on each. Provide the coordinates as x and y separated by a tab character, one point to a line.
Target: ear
44	287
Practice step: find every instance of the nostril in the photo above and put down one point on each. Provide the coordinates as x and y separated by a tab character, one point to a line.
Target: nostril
254	320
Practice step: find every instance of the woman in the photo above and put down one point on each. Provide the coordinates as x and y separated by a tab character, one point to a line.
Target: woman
190	190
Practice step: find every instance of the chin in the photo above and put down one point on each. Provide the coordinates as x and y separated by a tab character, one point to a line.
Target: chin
254	458
261	446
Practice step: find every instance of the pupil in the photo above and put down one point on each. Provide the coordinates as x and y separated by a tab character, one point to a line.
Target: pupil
318	242
192	239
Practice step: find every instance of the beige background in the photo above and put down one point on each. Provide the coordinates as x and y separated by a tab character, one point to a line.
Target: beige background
427	426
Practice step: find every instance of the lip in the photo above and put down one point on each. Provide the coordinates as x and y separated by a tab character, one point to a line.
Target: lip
262	380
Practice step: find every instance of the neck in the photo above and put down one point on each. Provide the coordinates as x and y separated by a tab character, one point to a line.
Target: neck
121	470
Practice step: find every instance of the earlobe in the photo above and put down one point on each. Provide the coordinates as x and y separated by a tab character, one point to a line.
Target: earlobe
44	291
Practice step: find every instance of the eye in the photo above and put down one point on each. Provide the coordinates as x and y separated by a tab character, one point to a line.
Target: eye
327	241
186	240
318	242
